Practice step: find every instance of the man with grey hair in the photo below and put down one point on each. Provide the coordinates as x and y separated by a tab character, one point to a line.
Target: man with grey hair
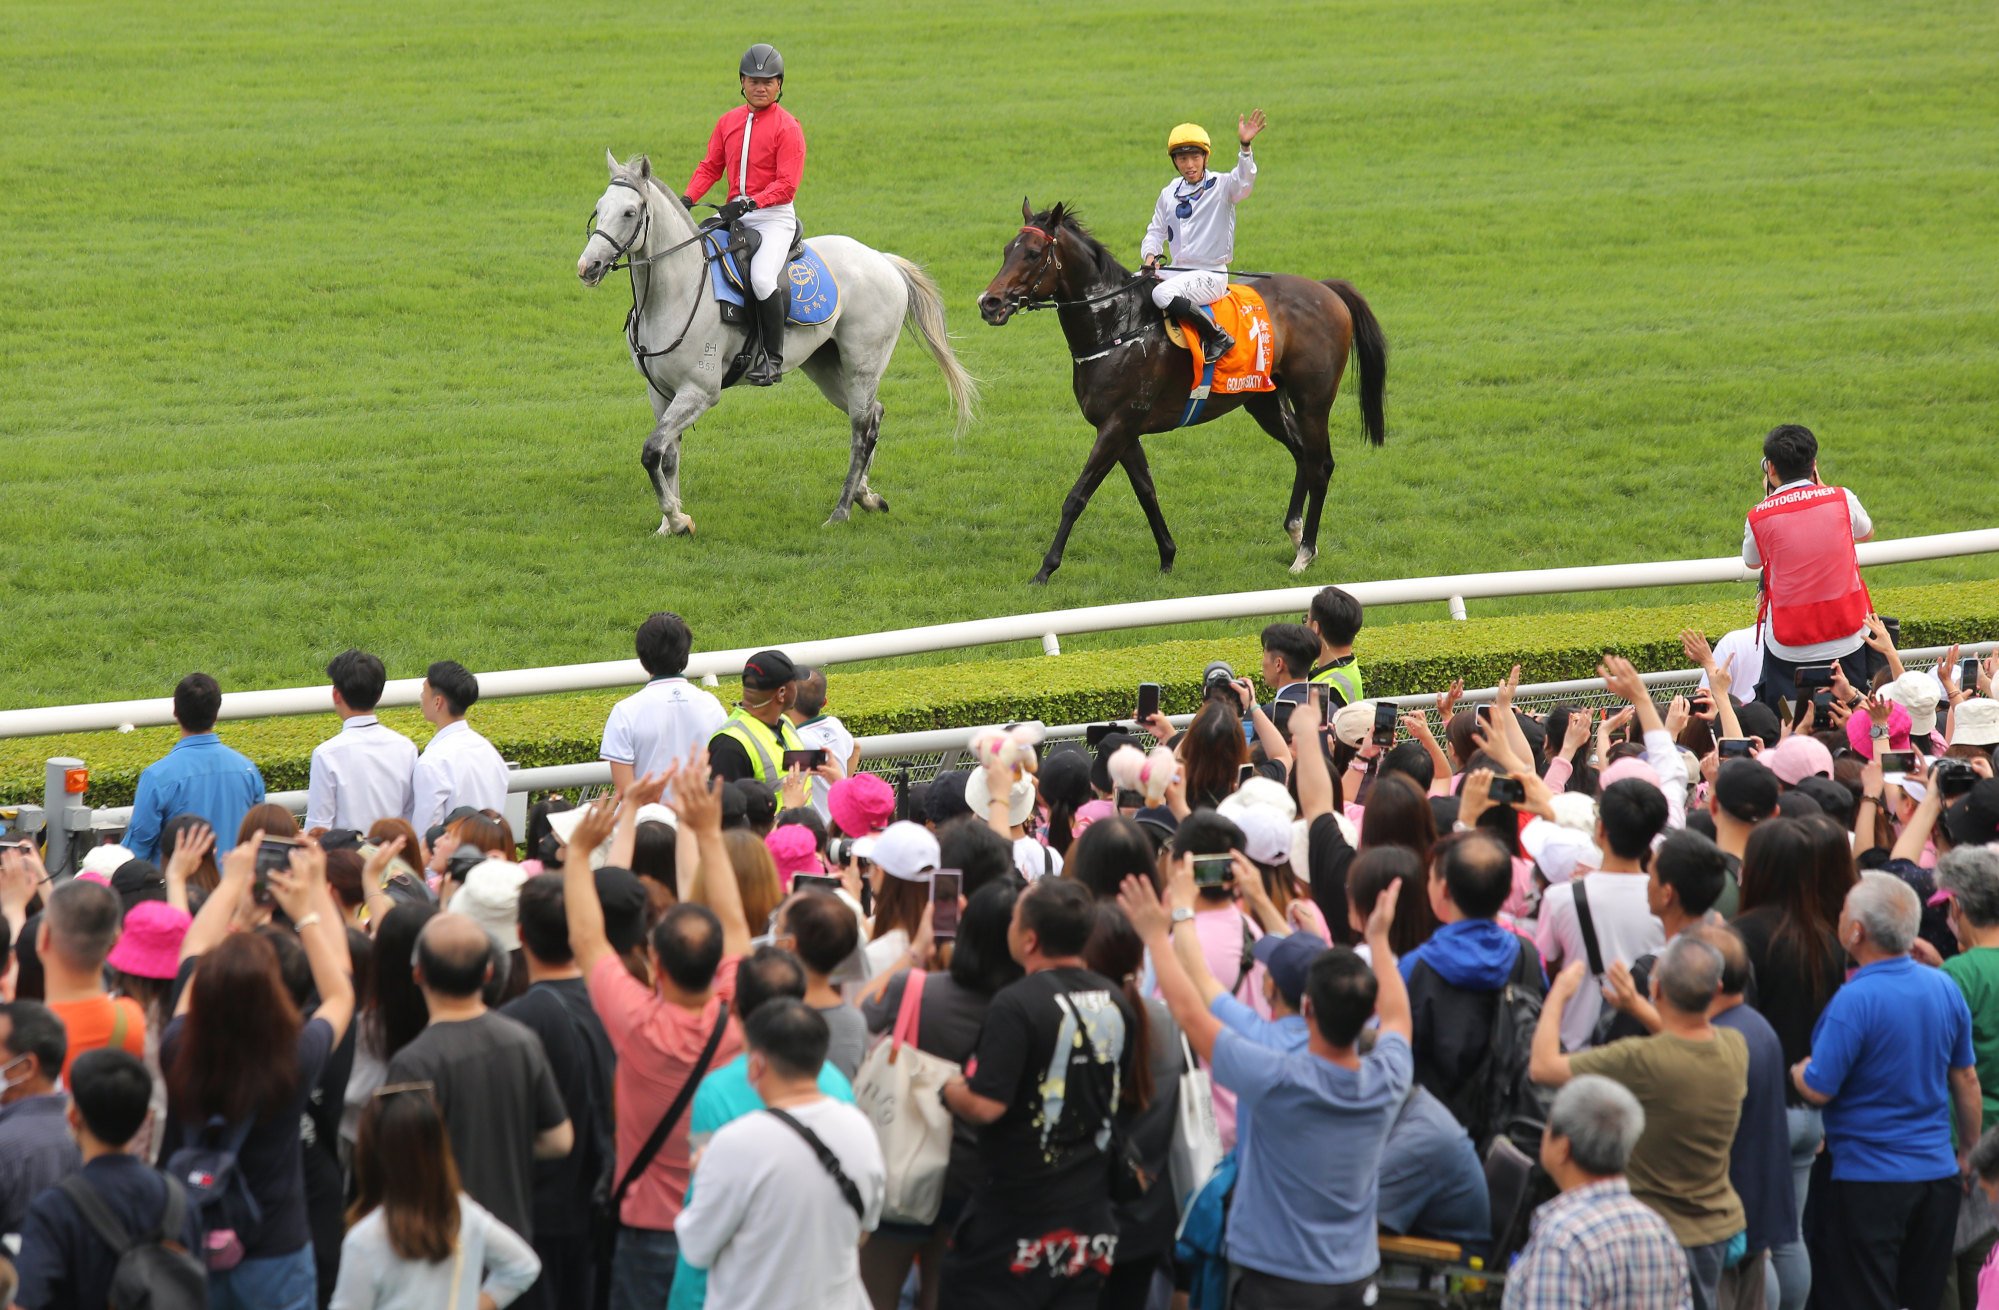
1890	1057
79	928
821	731
1970	875
1596	1246
1690	1077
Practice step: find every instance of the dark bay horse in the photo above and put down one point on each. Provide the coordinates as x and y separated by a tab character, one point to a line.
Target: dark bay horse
1131	380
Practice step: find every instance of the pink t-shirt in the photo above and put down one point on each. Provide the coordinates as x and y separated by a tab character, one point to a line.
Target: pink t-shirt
1221	934
1988	1282
657	1044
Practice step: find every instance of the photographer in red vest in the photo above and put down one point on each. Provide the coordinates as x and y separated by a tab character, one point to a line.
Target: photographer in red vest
1814	609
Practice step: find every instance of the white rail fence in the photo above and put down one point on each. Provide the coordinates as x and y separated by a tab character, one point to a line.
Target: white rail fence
922	754
1048	627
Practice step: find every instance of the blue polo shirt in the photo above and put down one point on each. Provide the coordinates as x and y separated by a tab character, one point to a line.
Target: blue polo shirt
1305	1198
198	776
1883	1051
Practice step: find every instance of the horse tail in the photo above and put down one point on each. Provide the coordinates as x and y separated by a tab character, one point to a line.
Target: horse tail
926	320
1370	349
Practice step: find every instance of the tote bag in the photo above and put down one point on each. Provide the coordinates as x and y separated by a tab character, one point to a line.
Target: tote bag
897	1088
1197	1139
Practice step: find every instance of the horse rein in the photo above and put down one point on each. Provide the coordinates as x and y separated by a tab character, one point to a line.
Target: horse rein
621	258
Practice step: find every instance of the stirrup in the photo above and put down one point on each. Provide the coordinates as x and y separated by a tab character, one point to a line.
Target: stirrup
768	370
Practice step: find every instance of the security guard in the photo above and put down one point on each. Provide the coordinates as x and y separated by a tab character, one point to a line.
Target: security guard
752	742
1335	617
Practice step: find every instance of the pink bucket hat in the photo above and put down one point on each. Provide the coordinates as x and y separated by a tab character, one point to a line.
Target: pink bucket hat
149	944
861	804
1631	766
1798	757
1088	813
1860	730
794	850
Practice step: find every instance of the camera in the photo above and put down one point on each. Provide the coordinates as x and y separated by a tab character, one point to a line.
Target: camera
463	861
1218	683
1954	778
840	851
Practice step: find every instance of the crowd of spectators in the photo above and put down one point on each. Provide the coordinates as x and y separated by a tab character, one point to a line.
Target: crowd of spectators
1253	1015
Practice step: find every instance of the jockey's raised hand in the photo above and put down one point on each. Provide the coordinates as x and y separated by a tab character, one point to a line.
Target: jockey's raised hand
1247	128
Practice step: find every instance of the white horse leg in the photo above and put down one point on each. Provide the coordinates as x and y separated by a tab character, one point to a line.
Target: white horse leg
661	458
856	396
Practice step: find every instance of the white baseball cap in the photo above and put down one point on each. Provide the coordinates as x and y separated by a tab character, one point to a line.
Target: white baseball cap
491	897
1976	723
907	851
1259	793
1919	694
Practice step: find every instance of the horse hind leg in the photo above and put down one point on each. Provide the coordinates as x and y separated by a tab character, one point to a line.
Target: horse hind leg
1318	472
867	497
1140	473
1272	412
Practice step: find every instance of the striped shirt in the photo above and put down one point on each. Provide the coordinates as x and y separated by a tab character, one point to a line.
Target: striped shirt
1599	1248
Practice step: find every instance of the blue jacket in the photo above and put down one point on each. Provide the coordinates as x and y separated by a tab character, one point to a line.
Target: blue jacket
1476	954
198	776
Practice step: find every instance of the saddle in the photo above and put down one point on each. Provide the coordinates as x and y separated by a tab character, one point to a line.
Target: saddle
812	296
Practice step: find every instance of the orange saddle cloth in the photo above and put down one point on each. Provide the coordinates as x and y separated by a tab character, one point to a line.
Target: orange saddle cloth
1242	314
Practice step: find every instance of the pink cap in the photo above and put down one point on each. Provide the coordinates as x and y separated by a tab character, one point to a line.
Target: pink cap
149	944
1631	766
861	804
1798	757
98	876
1088	813
1860	730
794	850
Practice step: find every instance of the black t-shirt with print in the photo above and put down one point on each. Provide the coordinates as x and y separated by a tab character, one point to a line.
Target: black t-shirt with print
1055	1050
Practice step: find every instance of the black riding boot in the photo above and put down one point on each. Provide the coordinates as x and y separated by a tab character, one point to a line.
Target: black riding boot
770	328
1215	343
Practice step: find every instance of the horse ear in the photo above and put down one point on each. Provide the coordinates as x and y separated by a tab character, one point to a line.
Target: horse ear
1026	211
645	166
612	160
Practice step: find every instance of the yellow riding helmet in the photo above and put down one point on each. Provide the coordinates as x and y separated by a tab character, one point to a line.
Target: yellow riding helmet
1188	134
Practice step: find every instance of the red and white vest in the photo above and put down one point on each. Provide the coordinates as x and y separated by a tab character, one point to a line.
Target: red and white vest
1812	591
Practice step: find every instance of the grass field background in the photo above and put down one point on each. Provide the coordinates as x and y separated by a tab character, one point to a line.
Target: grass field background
293	354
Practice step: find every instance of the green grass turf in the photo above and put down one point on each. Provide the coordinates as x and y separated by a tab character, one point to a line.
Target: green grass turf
293	355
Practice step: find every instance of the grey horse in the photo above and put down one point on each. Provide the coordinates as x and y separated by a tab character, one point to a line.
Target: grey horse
682	347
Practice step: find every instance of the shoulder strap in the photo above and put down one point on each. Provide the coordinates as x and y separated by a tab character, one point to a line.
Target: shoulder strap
1587	922
173	1219
1047	861
97	1214
909	1015
664	1129
828	1160
120	1022
1248	956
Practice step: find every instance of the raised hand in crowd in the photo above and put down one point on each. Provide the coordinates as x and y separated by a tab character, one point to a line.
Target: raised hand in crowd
1882	642
1447	699
192	847
21	873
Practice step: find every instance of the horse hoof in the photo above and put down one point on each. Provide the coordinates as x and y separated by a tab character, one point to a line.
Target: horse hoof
1295	529
1039	580
875	501
675	525
1166	563
837	516
1304	560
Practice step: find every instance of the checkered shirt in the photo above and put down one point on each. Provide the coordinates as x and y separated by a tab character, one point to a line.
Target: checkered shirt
1599	1248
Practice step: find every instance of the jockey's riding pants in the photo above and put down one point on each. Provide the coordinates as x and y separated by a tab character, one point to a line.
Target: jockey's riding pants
775	225
1200	286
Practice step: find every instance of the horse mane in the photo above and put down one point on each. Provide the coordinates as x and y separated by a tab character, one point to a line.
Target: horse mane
1063	215
630	170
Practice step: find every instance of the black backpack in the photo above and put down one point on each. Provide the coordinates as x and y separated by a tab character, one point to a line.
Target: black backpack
155	1272
1501	1099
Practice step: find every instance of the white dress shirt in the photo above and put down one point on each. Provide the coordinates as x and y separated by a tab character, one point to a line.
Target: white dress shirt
362	775
1206	237
659	724
458	767
830	735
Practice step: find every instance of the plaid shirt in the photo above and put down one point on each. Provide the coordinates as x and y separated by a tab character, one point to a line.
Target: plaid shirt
1599	1248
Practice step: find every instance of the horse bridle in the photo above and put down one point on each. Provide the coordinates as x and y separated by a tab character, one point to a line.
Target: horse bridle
621	258
1052	252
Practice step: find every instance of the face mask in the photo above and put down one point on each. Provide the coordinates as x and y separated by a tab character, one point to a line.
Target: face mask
8	1082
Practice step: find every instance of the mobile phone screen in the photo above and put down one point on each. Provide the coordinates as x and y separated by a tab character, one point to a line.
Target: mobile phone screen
1212	870
944	887
1898	761
1507	791
1148	700
1384	724
806	760
1322	696
1280	715
814	882
1967	675
1734	747
1244	774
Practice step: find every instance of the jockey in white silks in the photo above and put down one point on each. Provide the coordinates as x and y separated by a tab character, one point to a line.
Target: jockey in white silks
762	149
1196	217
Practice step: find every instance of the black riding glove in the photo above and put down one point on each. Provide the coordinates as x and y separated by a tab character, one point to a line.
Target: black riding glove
689	203
736	208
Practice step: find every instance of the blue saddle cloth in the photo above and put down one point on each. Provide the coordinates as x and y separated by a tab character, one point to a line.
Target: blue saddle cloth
815	296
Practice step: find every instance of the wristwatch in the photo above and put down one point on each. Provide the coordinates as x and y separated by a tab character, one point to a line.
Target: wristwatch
1878	731
1181	914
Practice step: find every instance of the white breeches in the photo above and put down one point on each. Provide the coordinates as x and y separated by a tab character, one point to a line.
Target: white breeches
775	226
1200	286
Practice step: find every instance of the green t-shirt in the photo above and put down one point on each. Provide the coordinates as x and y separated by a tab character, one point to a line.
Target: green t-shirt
1692	1093
1976	973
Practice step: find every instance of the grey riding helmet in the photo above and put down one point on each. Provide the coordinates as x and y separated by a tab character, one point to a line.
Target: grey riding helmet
762	60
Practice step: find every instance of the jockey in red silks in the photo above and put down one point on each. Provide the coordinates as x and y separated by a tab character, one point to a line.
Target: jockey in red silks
762	149
1196	217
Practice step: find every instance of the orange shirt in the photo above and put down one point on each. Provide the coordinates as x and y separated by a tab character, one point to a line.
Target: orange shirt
91	1023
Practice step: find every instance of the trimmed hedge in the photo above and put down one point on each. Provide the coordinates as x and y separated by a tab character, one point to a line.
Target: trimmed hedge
1089	686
